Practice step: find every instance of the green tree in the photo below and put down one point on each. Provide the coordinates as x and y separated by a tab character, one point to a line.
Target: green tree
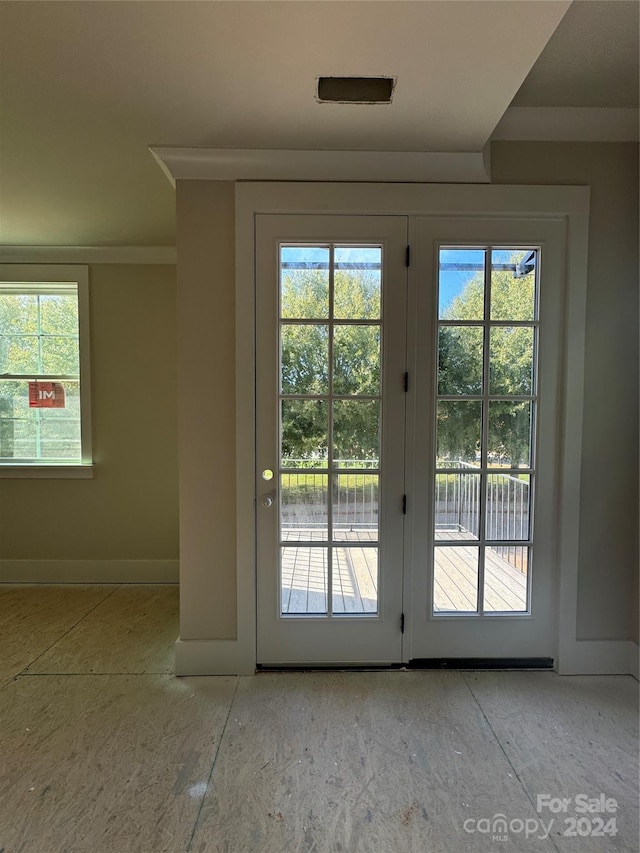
305	362
510	371
27	349
356	365
38	335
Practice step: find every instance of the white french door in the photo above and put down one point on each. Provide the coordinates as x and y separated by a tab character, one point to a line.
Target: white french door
406	437
331	317
485	310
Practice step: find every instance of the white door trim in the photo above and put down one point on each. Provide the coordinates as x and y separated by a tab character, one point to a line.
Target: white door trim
419	199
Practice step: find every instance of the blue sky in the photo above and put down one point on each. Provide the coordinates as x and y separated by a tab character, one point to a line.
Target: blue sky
452	279
319	254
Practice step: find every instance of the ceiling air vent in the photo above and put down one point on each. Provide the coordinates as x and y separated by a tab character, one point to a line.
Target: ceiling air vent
355	90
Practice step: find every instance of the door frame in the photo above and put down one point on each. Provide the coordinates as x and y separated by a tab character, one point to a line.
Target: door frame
570	204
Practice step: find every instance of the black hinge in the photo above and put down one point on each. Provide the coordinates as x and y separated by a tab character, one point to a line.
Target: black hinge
406	382
402	623
407	260
404	504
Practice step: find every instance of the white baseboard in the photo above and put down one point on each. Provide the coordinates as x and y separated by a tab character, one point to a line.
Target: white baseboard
599	657
231	657
89	571
213	657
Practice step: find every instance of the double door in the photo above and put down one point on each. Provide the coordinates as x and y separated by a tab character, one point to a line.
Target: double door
404	447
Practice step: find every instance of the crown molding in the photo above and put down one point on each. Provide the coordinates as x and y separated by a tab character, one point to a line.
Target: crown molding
87	254
568	124
226	164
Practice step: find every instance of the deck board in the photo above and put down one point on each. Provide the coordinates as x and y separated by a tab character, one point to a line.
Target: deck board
355	576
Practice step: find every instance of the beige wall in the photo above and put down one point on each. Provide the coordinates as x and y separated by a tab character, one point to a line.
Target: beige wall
206	366
129	510
608	572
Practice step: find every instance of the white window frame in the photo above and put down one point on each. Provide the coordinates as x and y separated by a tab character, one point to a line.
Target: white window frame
79	275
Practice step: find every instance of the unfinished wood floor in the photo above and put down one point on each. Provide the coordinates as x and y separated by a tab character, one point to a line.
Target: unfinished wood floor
103	750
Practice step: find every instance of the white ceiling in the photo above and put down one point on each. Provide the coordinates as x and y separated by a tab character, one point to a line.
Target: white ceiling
86	87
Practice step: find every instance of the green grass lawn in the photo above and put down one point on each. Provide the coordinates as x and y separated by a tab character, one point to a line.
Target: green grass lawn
299	487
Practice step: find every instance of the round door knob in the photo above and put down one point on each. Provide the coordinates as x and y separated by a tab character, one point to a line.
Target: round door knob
267	501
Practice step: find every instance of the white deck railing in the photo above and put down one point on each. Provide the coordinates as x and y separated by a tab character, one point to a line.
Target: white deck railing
457	503
354	497
354	502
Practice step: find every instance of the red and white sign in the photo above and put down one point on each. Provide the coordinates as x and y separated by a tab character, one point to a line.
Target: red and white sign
46	395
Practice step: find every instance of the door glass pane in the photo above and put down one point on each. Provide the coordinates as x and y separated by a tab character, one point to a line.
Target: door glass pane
509	438
304	433
330	305
508	506
303	585
355	507
460	360
461	284
305	359
304	505
493	437
505	578
511	360
356	360
455	582
355	580
304	282
457	506
356	433
513	284
459	428
357	282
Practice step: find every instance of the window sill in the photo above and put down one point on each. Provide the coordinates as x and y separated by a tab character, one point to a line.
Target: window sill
47	472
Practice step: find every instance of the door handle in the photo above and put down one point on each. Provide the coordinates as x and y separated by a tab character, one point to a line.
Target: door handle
267	501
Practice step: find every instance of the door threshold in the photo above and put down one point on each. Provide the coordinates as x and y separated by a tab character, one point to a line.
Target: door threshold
337	667
417	663
480	663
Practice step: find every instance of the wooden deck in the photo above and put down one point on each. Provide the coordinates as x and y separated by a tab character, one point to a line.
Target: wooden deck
456	581
354	580
355	577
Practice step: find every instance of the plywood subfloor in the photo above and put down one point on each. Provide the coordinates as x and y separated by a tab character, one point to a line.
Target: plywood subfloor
96	761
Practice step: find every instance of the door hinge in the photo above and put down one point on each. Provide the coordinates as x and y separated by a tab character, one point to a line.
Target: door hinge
407	258
406	382
404	504
402	623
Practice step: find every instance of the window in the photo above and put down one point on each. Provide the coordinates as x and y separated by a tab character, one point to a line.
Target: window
485	418
44	371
